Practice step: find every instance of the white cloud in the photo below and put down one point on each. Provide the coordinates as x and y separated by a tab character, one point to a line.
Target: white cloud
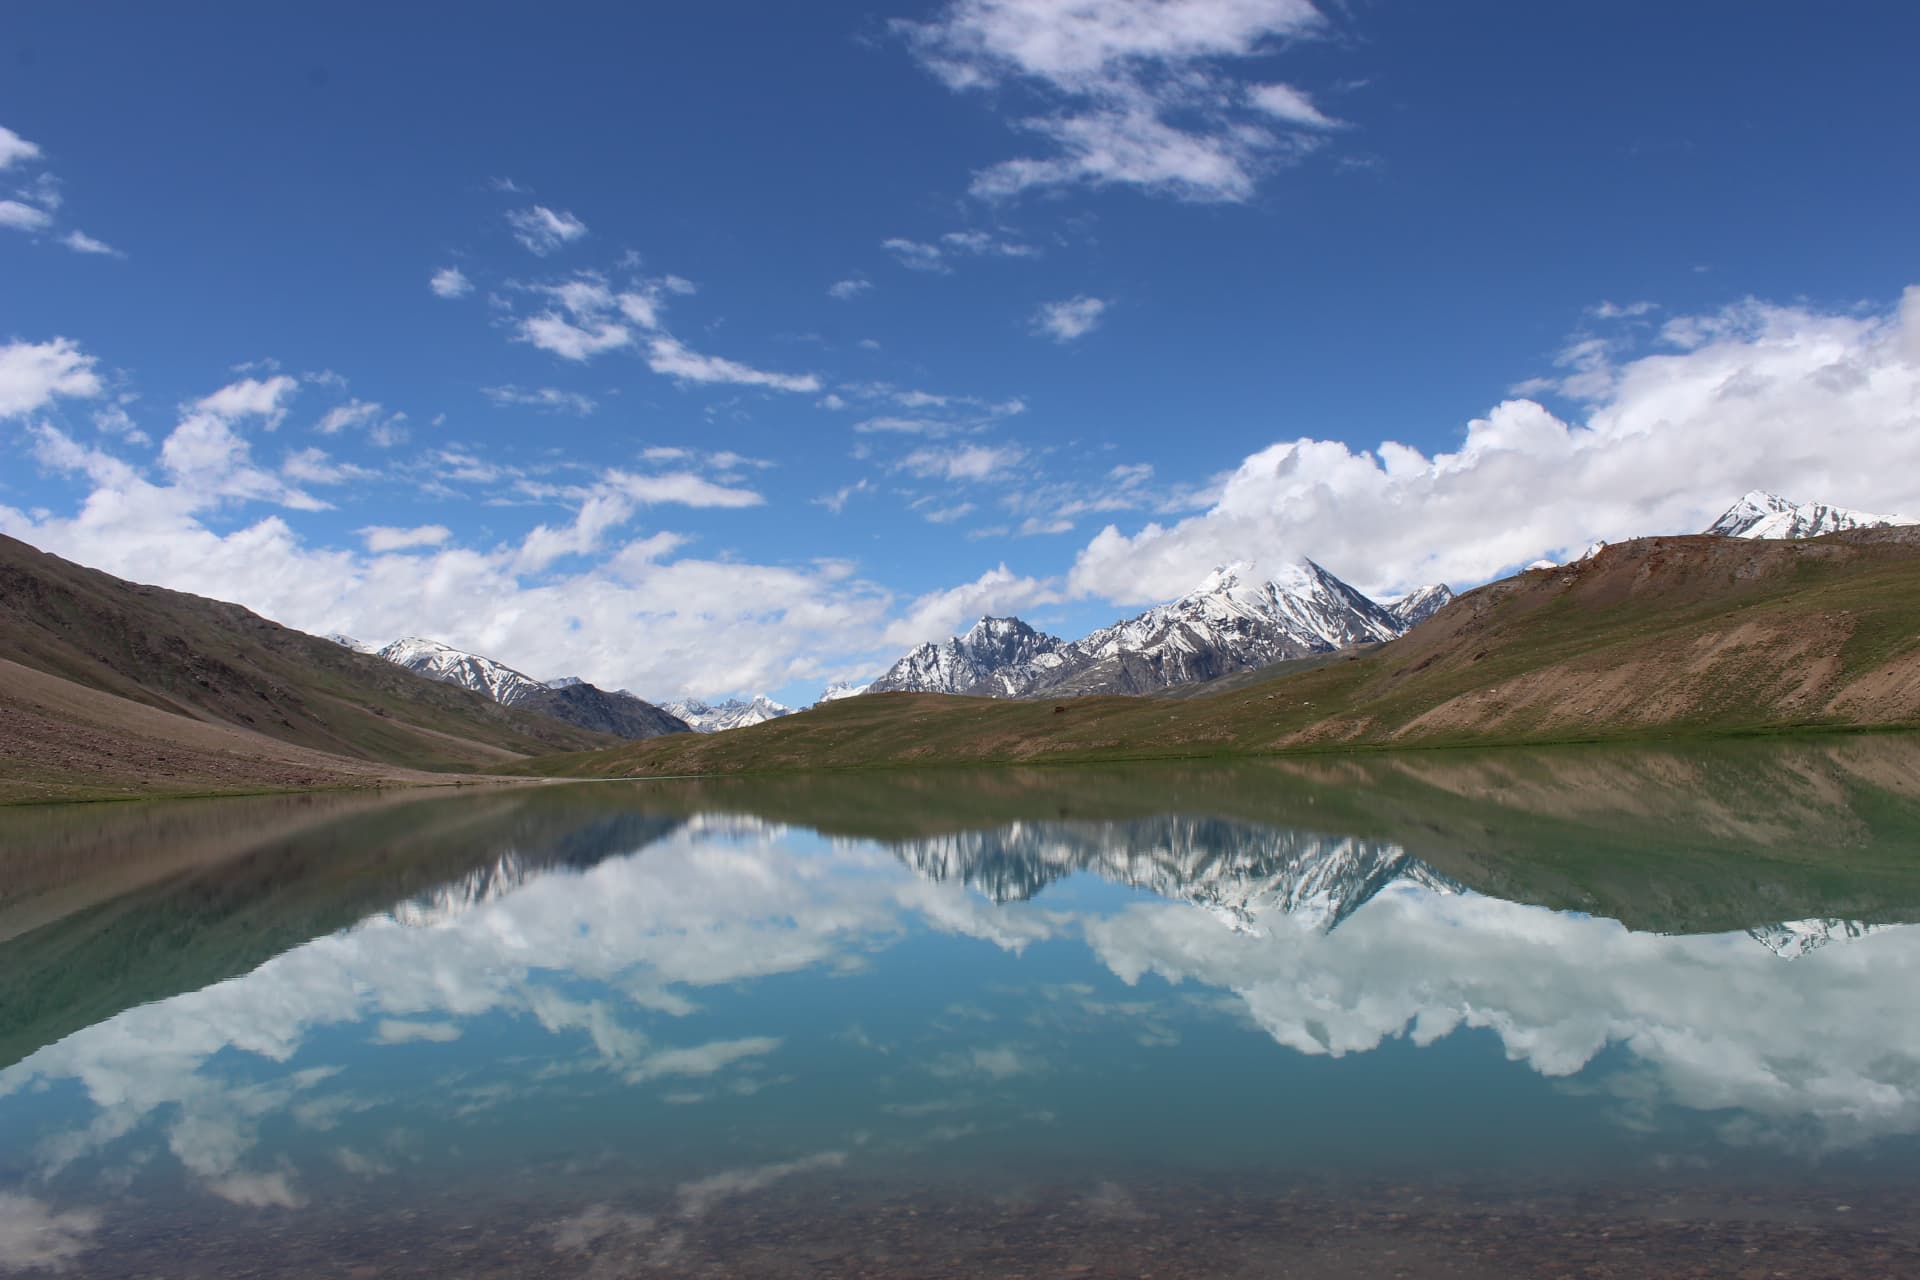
354	413
914	254
922	256
381	539
669	356
542	230
405	1031
848	289
252	397
970	462
939	614
16	216
552	399
81	242
1285	102
1811	404
450	282
14	148
550	332
33	374
1117	74
683	488
1070	319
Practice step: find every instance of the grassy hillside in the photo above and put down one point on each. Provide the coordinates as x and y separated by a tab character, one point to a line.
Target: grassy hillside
1655	637
221	664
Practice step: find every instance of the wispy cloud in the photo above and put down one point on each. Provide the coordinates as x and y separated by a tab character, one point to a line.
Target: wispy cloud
971	462
381	539
849	289
549	399
541	230
38	199
669	356
1136	92
938	255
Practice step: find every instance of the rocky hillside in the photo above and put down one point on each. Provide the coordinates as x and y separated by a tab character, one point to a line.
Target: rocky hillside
220	664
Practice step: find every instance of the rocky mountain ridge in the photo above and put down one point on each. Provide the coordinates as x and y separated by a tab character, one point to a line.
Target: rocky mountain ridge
734	713
569	699
1237	619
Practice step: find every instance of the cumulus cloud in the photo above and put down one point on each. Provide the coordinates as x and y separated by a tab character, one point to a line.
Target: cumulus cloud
579	343
1812	404
1137	92
996	593
34	374
450	282
635	616
849	289
541	230
1073	318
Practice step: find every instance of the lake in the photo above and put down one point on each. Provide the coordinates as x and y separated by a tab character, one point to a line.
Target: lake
1581	1012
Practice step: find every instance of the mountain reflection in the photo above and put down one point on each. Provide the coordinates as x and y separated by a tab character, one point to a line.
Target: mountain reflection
1243	874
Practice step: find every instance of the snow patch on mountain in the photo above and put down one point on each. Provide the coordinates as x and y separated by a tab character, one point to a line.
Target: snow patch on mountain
845	689
348	642
1760	514
443	662
997	656
1415	607
1792	939
1235	620
734	713
1246	876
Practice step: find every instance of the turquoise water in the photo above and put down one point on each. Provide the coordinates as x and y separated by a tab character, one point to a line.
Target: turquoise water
608	1029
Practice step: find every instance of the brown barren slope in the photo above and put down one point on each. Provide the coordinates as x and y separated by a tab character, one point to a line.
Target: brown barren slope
1654	637
204	660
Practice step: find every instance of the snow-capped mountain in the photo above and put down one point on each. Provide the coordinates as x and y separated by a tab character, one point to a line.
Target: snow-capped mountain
1247	876
1792	939
1766	515
570	699
734	713
845	689
999	657
348	642
445	663
1236	620
1415	607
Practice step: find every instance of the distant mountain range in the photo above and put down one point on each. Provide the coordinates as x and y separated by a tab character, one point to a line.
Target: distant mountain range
1236	620
1239	620
734	713
569	699
1766	515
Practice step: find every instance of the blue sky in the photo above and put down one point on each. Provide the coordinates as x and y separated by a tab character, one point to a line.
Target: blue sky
770	339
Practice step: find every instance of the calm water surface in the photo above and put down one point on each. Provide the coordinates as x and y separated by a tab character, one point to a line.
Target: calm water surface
1579	1013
